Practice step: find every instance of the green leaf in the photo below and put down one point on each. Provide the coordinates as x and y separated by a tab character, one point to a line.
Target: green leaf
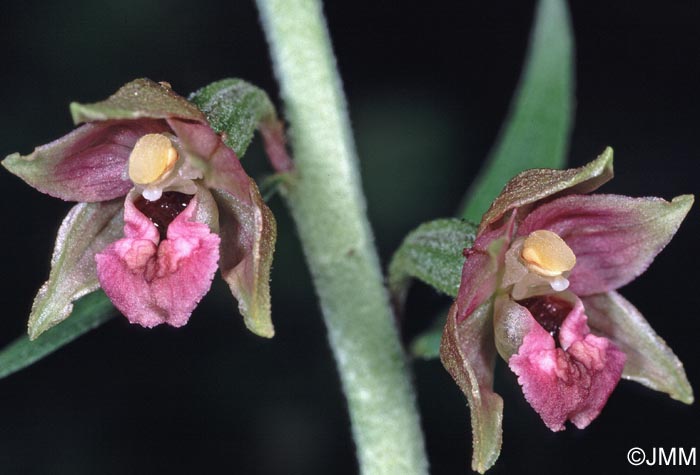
235	108
431	253
536	134
87	229
89	312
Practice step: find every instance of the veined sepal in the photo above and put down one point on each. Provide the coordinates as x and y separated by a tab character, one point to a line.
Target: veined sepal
248	234
650	361
534	185
86	230
468	353
236	109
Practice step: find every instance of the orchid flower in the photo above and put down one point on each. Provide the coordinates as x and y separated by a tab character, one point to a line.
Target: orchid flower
539	287
163	203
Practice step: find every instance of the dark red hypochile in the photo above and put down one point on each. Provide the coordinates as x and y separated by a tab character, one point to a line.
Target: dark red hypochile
549	311
162	211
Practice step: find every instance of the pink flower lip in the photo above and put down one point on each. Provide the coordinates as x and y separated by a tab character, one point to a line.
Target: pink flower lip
533	303
167	248
566	373
153	280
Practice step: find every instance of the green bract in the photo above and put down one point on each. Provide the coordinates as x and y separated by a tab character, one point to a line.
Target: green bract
431	253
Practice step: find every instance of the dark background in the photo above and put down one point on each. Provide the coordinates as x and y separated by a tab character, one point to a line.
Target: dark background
428	86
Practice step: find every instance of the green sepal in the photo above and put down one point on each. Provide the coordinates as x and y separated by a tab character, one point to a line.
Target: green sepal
140	98
235	108
431	253
248	235
531	186
85	231
90	312
536	133
468	353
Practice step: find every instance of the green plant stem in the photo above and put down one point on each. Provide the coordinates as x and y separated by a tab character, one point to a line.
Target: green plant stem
328	206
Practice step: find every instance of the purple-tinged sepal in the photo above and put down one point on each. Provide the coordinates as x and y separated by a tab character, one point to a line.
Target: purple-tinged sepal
87	165
615	238
248	234
468	353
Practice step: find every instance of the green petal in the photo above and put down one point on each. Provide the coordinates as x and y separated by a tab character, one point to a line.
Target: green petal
533	185
431	253
141	98
87	229
649	359
468	353
536	133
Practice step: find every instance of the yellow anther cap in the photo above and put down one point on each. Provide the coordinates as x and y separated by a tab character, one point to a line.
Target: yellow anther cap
545	253
152	156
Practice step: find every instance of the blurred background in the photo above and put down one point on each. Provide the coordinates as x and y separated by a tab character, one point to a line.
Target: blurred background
428	86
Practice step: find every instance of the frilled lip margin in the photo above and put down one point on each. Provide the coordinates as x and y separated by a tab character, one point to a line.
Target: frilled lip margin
227	222
568	348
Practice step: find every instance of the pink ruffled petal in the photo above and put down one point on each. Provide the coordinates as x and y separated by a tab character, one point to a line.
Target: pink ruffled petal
615	238
568	382
154	282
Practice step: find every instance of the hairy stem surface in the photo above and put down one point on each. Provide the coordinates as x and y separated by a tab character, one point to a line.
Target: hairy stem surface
328	207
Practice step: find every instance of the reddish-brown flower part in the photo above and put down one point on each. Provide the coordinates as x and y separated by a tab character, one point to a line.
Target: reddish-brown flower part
538	288
188	209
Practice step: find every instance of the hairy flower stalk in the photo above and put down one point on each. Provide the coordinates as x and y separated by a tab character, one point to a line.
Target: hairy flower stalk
539	288
327	204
